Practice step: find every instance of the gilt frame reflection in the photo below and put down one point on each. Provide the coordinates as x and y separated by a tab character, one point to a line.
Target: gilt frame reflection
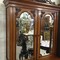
47	35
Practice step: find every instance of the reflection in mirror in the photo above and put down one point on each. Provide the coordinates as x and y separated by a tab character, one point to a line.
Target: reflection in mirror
46	37
24	36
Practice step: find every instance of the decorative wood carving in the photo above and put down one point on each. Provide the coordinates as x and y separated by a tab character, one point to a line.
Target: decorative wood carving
37	10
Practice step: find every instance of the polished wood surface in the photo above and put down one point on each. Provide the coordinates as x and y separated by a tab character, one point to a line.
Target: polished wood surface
27	5
52	57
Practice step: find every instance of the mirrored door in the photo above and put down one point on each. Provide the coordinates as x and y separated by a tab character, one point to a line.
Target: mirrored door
25	35
46	34
46	30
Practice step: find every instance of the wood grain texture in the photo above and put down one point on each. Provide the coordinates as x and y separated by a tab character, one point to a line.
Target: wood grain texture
29	6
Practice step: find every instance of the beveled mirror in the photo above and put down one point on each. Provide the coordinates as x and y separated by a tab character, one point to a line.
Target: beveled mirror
24	36
46	34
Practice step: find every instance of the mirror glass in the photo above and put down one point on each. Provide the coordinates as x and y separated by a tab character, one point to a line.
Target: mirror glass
46	34
24	36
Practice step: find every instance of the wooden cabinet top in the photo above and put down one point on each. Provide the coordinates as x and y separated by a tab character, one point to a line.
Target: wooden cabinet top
31	3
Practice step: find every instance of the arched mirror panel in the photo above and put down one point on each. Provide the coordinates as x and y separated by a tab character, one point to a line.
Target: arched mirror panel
24	36
46	34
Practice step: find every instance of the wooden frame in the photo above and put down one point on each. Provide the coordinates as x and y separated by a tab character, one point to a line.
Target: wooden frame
32	15
54	37
11	6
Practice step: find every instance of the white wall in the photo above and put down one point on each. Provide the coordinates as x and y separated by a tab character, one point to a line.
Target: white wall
56	1
1	1
3	30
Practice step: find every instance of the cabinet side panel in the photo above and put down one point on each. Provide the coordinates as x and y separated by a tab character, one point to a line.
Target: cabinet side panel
58	37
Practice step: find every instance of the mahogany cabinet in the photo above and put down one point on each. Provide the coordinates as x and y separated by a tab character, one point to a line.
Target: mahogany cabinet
31	30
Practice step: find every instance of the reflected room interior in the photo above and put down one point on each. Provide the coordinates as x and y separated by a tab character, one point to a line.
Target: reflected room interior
24	36
46	37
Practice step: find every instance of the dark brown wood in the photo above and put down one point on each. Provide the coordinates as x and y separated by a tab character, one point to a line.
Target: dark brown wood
29	5
58	37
